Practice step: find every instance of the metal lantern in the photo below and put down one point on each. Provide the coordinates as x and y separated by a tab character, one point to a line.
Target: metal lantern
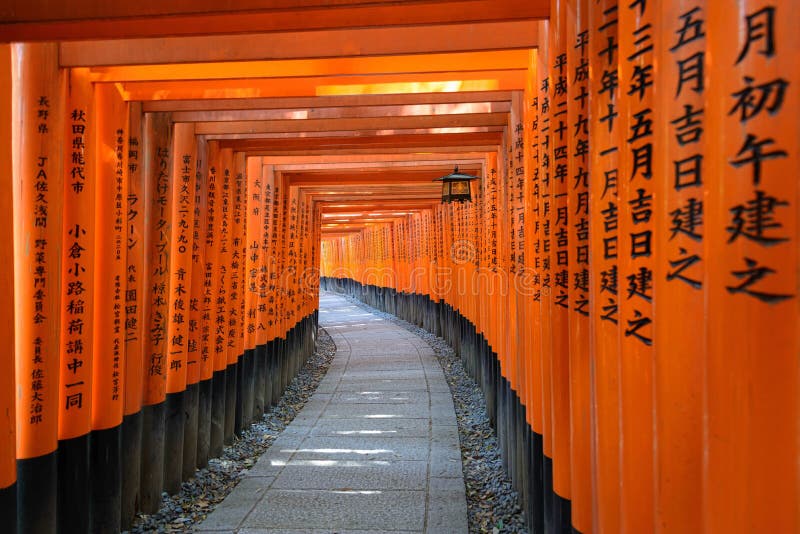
455	187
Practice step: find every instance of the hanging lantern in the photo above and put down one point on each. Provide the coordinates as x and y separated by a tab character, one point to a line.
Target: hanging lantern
455	187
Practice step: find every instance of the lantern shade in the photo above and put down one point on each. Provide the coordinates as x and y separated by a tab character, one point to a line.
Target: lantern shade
456	187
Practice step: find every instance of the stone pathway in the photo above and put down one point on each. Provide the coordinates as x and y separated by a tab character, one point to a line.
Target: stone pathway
374	450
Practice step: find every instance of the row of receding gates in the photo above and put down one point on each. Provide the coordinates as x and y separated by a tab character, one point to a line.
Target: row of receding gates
624	287
164	297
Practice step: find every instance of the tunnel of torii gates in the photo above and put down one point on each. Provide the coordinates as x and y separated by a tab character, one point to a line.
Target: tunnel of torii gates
623	285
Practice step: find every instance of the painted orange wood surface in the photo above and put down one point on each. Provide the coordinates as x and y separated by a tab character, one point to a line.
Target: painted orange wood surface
37	115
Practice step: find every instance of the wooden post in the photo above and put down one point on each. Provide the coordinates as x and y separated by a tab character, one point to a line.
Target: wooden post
8	468
77	303
135	294
254	237
108	383
750	477
244	398
37	114
181	198
222	359
604	147
199	370
578	236
678	272
212	342
157	136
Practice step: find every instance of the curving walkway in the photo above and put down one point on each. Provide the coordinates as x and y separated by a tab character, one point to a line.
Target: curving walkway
374	450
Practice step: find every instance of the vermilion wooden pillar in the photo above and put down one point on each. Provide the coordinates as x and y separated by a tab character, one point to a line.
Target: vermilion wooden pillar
181	199
559	219
194	433
679	271
577	48
212	359
157	154
8	468
604	147
244	390
135	294
108	383
77	302
254	237
533	260
37	116
751	420
222	359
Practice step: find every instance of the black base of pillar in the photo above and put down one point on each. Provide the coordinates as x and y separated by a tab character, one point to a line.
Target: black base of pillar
74	513
106	479
152	473
204	422
37	491
535	508
131	467
173	442
218	395
230	402
248	386
8	508
260	381
191	404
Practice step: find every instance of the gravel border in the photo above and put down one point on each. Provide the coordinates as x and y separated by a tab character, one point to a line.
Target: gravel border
492	504
209	486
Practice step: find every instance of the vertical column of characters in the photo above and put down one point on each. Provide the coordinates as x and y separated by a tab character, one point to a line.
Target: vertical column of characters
559	261
255	235
533	254
751	251
265	330
292	258
208	233
273	272
134	273
157	135
518	284
37	114
8	469
494	248
111	116
604	131
135	229
221	302
196	319
679	270
238	198
577	43
77	289
181	198
277	274
512	205
638	35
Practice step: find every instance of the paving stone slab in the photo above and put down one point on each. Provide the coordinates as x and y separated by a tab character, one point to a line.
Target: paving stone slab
310	509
